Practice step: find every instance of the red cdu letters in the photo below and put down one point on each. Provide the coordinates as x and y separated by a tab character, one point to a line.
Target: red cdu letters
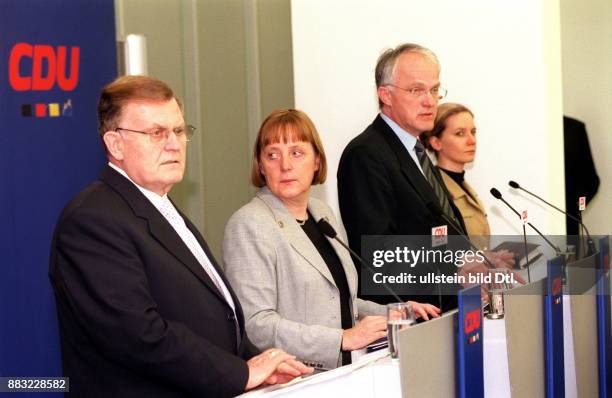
48	67
472	321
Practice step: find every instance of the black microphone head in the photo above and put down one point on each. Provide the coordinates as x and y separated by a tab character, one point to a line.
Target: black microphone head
514	184
326	228
496	194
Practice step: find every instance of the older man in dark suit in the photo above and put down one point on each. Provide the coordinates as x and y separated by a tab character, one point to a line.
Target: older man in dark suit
144	310
386	183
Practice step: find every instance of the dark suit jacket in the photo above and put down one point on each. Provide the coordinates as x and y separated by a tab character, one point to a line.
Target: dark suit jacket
382	192
138	315
581	178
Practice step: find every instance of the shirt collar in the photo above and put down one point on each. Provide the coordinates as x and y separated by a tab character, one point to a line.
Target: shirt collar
405	137
152	196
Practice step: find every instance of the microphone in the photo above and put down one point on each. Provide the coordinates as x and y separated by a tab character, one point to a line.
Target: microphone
326	228
497	195
434	210
591	245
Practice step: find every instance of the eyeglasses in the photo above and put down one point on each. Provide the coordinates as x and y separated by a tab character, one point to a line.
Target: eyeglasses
437	93
161	135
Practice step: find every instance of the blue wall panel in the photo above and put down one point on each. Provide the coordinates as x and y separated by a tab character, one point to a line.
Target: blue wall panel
49	150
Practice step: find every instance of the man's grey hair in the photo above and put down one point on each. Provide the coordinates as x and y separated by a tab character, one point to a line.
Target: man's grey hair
385	66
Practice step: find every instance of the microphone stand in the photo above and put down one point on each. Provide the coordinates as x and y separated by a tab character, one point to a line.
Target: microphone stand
558	251
330	232
583	228
497	195
496	299
526	253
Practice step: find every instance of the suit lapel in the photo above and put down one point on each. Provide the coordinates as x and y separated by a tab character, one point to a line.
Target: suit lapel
409	169
159	227
458	191
473	198
412	173
294	234
220	272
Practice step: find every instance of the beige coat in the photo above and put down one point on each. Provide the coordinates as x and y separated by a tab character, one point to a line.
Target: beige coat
472	211
286	290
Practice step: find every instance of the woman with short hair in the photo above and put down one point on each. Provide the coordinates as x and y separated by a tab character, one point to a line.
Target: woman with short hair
297	287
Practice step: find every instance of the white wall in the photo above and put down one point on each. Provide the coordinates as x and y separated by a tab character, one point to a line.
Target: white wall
587	92
500	58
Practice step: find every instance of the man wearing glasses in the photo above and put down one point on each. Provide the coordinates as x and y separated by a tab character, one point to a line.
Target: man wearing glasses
144	310
387	185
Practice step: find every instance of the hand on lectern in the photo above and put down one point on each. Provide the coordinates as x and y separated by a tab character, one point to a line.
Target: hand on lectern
274	366
366	331
424	310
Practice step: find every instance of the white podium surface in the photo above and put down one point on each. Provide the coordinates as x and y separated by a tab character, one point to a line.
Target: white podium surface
495	352
373	375
571	390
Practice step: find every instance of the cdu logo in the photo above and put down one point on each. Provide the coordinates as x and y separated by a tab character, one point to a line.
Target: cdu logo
439	236
41	67
471	325
557	286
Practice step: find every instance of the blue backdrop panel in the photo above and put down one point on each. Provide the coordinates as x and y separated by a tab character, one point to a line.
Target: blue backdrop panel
470	361
553	329
55	57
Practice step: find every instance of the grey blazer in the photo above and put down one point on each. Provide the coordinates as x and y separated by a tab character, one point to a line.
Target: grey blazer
287	293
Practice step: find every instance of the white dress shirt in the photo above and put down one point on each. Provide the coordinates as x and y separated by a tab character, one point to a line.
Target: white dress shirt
407	139
169	212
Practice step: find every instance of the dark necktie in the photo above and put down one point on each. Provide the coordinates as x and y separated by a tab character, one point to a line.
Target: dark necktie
434	181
